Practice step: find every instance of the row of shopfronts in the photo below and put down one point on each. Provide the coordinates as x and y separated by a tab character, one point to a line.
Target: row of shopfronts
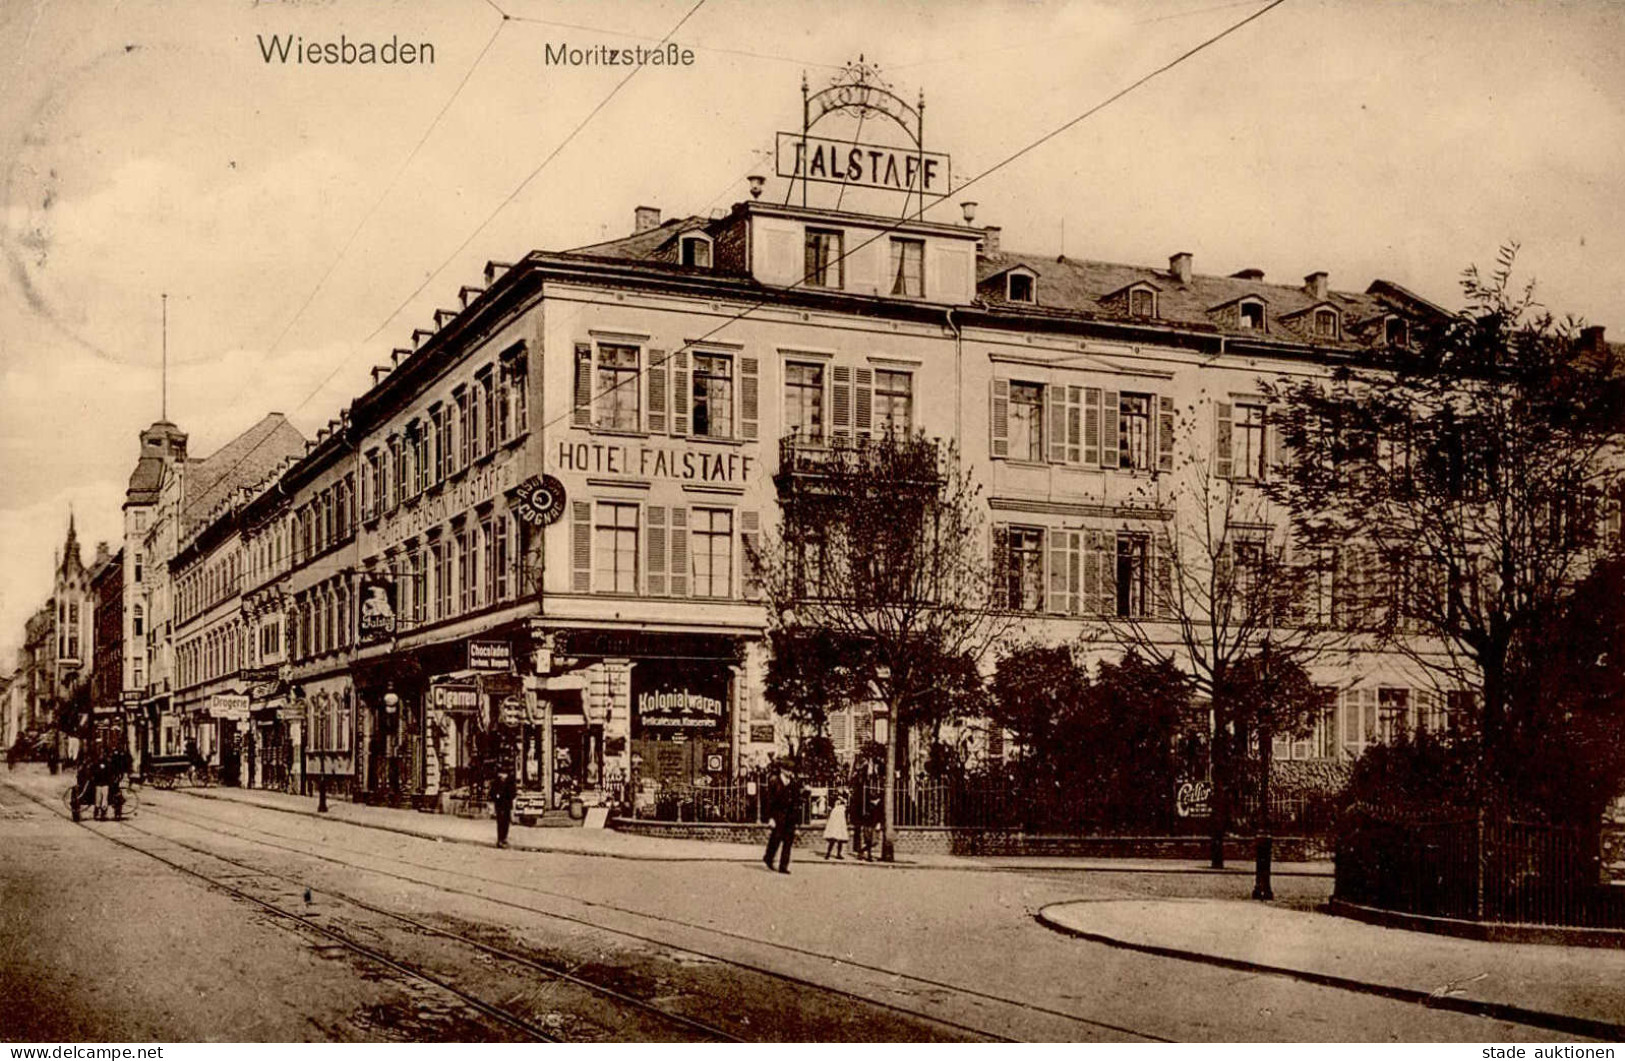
615	716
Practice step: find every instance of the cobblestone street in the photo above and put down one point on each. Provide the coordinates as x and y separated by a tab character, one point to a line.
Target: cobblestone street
403	938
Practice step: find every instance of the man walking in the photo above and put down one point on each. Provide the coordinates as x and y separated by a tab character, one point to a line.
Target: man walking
503	793
784	806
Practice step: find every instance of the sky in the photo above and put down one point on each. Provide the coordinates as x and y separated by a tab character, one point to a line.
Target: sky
303	219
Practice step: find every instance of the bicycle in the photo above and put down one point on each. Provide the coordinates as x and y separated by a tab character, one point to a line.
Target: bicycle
128	800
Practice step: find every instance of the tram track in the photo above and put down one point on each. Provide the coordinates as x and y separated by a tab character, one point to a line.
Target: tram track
916	983
243	876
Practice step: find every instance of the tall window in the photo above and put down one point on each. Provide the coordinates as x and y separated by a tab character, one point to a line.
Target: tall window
518	381
615	400
465	571
1247	441
138	625
824	252
488	412
441	551
1027	421
392	474
615	548
439	451
1135	450
713	395
503	551
139	565
804	400
1132	575
504	412
418	580
711	536
1393	714
467	427
894	401
1025	573
908	267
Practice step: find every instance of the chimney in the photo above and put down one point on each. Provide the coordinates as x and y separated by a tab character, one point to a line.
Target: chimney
419	336
1247	274
1179	267
443	317
1591	341
397	355
493	268
378	373
1314	285
644	218
990	239
467	294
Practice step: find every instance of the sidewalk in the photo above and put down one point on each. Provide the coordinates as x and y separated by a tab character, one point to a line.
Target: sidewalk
608	843
1567	989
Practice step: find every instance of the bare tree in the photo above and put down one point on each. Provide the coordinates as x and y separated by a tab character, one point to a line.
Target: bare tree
1463	482
882	549
1222	583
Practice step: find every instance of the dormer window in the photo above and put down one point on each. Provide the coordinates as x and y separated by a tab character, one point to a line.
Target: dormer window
1396	332
1142	302
908	267
823	258
696	251
1326	323
1020	288
1252	314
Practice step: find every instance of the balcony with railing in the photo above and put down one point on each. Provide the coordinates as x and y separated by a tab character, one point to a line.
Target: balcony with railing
835	464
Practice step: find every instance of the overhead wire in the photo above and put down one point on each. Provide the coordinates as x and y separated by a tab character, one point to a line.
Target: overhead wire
635	378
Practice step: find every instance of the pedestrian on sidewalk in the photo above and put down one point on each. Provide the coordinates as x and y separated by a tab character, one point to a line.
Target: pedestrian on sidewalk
784	806
102	778
503	793
84	788
865	814
835	831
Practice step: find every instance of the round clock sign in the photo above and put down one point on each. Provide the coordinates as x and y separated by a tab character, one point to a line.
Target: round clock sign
539	500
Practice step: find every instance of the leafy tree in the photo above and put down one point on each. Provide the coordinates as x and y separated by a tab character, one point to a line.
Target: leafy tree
1271	695
882	545
1035	688
1457	483
1134	712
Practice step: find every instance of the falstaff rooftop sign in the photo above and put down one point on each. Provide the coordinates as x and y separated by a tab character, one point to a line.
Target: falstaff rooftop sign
858	92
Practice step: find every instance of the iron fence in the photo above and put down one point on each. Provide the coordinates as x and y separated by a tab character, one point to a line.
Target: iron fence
1477	869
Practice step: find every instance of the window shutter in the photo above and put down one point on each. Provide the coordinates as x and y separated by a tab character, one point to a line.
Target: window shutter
864	401
1165	433
679	393
999	565
655	549
1091	425
1055	553
582	416
679	552
841	400
1164	604
1074	425
750	534
1074	603
748	400
656	378
1000	418
1092	575
1110	432
1277	444
581	548
1224	465
1055	421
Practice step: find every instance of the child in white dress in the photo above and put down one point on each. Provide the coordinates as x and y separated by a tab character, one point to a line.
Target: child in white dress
835	832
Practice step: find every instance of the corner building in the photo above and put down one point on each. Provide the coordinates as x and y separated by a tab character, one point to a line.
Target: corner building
661	382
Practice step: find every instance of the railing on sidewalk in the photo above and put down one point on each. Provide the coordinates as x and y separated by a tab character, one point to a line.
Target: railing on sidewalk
1476	869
